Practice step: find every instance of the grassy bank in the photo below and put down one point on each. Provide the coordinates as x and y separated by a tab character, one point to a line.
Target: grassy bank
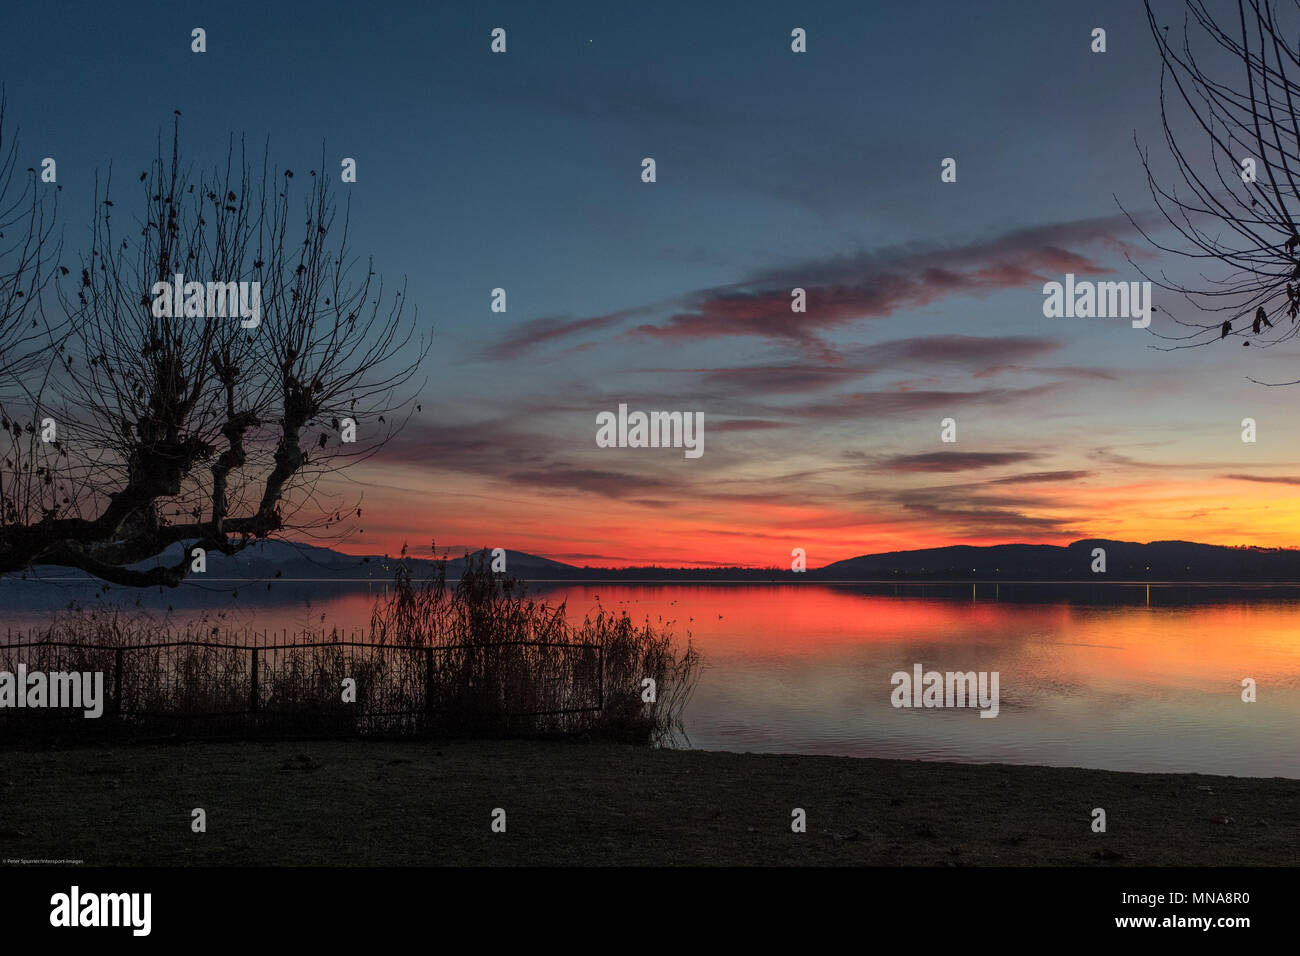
380	803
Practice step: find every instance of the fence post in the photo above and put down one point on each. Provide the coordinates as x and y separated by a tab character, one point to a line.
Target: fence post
117	681
252	699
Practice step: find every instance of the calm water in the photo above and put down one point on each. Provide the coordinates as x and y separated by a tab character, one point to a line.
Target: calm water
806	669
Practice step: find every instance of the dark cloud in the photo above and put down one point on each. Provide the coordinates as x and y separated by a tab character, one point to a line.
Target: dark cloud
611	484
1060	371
872	405
976	518
973	353
1280	480
527	336
861	290
486	447
947	461
748	425
844	289
1038	477
1111	457
527	459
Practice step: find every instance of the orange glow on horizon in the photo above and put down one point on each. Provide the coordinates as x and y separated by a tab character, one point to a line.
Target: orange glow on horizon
759	532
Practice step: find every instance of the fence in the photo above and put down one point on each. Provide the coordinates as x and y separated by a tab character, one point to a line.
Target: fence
195	687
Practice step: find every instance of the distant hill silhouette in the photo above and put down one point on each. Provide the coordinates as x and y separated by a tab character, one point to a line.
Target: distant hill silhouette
289	560
1125	561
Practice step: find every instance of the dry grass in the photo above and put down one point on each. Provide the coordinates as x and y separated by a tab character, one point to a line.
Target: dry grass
412	802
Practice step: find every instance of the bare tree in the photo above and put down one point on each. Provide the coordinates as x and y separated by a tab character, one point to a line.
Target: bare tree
28	341
1231	81
207	429
27	255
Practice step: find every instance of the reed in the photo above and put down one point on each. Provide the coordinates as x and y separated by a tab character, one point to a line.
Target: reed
479	658
520	659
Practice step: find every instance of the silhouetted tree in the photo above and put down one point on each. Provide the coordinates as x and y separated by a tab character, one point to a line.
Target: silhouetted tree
27	256
198	430
1231	78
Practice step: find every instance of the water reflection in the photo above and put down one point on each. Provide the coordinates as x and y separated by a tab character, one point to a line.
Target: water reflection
807	669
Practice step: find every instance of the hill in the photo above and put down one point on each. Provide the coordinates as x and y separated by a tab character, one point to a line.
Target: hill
1125	561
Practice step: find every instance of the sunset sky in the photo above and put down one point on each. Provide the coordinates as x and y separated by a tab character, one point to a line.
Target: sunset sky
775	170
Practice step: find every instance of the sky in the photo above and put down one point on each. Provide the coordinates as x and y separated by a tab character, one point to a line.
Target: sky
774	170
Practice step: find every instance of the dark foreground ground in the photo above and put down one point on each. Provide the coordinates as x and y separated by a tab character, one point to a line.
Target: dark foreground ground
358	803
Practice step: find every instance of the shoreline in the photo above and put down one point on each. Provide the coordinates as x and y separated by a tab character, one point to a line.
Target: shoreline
593	803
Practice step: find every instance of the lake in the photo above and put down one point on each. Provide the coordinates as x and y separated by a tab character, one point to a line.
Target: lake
807	668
